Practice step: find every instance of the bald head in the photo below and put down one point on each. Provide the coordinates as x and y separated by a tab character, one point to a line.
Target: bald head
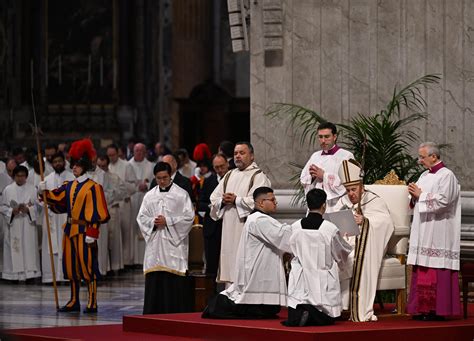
170	159
139	152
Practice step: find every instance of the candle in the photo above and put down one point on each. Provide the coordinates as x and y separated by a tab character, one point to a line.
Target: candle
89	71
115	74
46	76
31	74
101	71
60	76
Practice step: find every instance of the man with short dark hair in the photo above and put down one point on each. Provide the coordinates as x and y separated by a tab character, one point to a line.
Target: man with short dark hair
54	180
86	212
232	202
21	255
165	219
314	295
259	287
321	170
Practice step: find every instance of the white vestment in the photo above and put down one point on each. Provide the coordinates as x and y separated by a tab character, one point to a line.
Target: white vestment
126	173
56	222
436	228
314	276
166	248
368	259
115	191
242	184
5	180
21	259
331	183
259	272
144	172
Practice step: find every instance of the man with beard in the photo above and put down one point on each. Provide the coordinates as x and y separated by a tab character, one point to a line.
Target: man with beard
49	151
232	201
56	221
84	201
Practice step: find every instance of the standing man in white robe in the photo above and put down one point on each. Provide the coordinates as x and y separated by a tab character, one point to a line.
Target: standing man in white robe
20	249
359	278
232	201
56	221
321	170
314	294
259	289
165	219
434	239
126	173
144	172
114	191
5	180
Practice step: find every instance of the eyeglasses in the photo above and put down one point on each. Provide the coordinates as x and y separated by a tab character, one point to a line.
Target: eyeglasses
274	200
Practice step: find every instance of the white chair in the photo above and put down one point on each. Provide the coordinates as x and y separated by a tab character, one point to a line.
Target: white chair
392	273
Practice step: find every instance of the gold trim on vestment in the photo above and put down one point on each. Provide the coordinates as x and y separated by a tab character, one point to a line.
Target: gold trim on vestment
164	268
361	243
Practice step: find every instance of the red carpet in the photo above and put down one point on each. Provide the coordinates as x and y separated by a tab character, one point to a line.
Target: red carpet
191	326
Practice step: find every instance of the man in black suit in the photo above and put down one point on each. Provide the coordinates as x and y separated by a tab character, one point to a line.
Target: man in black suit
212	229
177	178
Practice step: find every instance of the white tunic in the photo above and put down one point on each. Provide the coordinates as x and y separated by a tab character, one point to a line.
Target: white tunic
233	216
369	259
259	273
56	222
5	180
331	183
166	249
144	172
127	223
110	250
314	277
21	254
436	228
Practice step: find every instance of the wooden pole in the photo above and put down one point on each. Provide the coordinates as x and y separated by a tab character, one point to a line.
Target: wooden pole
45	203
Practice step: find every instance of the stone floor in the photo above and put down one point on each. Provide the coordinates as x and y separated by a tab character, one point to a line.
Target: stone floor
32	305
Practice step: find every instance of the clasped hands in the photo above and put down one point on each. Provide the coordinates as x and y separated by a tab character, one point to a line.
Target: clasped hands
316	172
160	222
414	190
21	208
228	198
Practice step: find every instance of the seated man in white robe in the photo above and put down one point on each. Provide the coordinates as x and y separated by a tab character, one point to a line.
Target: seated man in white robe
359	278
314	294
259	289
165	218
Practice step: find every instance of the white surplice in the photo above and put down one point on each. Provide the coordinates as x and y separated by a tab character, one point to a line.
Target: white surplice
21	253
259	272
5	180
166	249
331	183
233	216
376	239
56	222
115	191
436	228
314	276
144	172
126	173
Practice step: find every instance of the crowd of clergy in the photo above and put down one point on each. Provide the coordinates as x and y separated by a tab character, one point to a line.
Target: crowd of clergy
155	197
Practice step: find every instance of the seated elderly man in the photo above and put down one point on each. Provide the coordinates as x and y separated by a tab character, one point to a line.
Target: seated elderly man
359	278
259	289
314	295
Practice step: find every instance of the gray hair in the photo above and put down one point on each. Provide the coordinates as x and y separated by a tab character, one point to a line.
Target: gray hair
432	148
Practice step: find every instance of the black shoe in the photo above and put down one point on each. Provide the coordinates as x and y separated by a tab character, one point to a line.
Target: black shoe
66	309
420	317
90	310
304	318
